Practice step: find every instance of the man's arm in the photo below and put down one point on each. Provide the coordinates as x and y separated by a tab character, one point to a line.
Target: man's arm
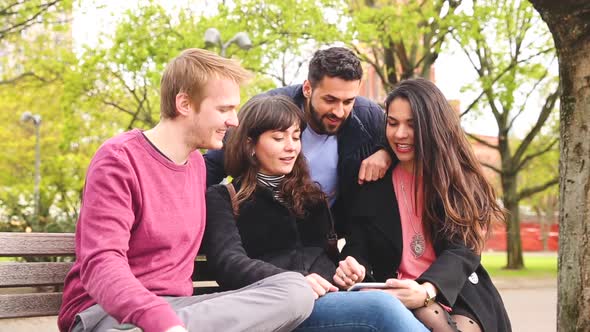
102	241
215	168
374	167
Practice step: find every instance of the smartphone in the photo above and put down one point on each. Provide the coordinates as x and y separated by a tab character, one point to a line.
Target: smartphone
361	285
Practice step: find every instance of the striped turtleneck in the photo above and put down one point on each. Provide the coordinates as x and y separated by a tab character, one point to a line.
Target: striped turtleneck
271	182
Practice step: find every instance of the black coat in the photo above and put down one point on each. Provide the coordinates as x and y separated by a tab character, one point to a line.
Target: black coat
266	239
361	136
376	242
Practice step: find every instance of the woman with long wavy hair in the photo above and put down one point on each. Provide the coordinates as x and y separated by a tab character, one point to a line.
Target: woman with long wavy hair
422	227
278	220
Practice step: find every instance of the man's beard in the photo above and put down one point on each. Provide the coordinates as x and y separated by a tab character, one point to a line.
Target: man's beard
318	124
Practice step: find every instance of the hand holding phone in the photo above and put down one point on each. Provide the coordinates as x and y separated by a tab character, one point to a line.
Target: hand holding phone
372	285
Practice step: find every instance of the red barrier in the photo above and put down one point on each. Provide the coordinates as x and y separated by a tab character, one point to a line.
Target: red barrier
530	234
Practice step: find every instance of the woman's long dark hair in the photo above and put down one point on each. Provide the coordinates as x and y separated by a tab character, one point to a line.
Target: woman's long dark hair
257	116
453	179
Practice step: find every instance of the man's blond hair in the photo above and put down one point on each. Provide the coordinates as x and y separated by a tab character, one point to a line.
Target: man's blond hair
190	72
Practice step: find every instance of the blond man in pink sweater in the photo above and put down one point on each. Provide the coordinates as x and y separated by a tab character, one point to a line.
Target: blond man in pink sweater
143	216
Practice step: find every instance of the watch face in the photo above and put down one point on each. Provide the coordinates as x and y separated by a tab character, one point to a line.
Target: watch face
430	297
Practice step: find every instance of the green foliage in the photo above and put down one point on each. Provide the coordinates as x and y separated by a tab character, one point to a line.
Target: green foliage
539	170
87	97
400	39
62	166
83	99
116	84
510	49
18	16
34	68
281	31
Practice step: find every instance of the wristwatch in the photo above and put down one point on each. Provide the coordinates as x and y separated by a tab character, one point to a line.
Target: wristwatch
430	296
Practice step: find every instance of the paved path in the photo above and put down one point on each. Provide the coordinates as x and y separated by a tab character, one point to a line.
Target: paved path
531	304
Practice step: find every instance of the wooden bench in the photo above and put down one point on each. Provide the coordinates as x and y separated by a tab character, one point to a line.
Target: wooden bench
35	287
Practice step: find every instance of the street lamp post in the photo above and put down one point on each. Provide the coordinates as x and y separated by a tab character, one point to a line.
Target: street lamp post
213	37
36	119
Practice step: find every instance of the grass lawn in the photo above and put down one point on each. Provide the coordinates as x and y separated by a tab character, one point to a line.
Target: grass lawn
536	265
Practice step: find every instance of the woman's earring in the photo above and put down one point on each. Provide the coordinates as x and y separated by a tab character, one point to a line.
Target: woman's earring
252	154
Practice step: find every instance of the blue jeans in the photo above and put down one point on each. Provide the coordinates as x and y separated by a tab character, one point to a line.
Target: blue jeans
360	311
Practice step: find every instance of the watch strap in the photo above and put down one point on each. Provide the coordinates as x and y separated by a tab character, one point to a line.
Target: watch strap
430	297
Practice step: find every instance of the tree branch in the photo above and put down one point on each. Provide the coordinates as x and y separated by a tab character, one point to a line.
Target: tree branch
473	103
532	156
492	167
6	11
533	190
374	64
483	142
119	107
21	77
138	110
523	105
467	54
14	27
133	93
543	116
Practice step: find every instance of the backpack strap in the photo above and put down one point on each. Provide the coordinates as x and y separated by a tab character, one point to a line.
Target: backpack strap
232	197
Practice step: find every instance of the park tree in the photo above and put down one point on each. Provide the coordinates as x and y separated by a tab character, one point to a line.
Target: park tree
20	16
283	39
119	78
400	39
543	204
568	22
63	158
510	50
36	59
23	14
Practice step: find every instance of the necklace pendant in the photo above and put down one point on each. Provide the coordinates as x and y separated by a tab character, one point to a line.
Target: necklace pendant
418	245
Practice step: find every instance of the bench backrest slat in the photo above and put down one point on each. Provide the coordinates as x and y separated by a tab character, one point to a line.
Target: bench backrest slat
18	274
33	274
36	244
29	305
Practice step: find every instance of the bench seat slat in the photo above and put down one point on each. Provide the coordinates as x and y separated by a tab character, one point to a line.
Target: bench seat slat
36	244
29	305
33	274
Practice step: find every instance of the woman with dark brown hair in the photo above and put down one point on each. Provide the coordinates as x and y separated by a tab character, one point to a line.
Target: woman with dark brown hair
422	227
278	220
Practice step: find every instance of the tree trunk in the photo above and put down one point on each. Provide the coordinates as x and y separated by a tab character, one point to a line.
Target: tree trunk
549	219
511	203
574	171
542	219
545	227
514	244
568	22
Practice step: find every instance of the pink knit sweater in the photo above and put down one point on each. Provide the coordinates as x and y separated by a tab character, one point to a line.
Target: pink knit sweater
141	224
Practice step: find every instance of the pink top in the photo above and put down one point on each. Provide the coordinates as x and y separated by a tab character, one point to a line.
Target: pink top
411	267
141	224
